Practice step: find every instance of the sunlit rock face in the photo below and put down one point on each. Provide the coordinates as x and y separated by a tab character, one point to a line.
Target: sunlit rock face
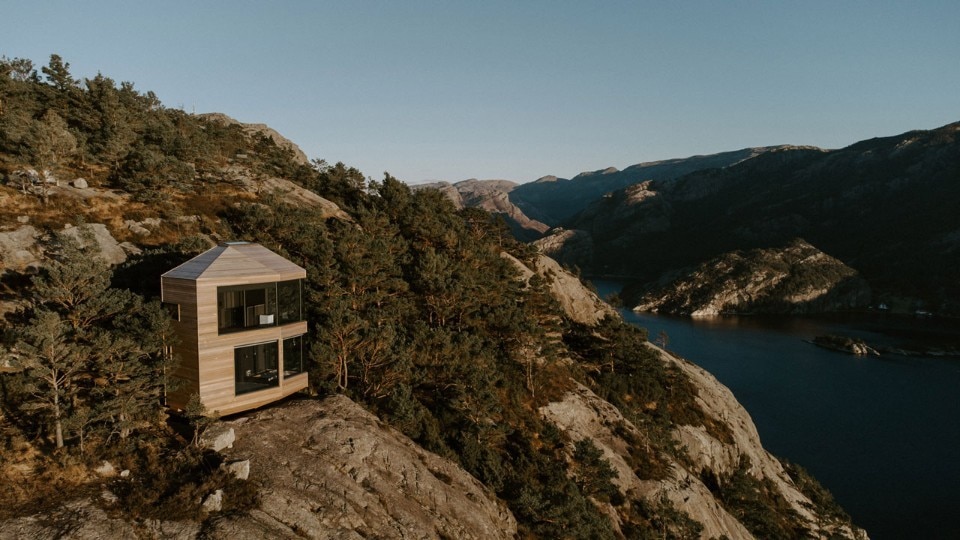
492	196
330	469
797	278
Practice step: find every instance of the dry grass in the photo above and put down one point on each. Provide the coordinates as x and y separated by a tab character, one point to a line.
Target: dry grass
31	482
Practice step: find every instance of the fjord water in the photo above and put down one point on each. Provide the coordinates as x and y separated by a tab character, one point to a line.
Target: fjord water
882	434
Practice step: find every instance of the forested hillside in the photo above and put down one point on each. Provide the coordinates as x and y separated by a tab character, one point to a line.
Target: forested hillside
416	311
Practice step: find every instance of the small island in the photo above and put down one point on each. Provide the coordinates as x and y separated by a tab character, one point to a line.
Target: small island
845	344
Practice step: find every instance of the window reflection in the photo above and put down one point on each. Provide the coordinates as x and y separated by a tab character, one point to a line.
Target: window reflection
288	295
256	367
254	306
292	356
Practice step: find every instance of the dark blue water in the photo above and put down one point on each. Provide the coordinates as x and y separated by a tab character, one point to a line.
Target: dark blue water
882	434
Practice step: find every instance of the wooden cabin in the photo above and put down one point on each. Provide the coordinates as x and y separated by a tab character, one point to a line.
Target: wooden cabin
238	311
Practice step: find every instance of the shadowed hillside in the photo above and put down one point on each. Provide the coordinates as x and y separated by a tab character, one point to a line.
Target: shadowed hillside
885	207
555	200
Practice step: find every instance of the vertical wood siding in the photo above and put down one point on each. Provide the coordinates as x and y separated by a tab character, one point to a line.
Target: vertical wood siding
206	357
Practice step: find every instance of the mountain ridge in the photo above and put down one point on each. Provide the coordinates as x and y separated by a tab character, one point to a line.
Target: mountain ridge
882	206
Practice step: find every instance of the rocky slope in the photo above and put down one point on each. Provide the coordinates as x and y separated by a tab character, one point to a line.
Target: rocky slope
260	130
580	304
330	469
884	207
323	469
582	414
797	278
568	247
492	196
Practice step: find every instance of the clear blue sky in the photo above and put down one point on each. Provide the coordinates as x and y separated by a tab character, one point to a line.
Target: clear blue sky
519	89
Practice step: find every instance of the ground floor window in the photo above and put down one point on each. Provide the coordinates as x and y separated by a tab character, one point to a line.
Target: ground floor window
256	367
292	356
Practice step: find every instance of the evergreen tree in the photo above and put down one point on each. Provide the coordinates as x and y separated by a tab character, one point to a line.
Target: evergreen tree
58	74
76	282
92	356
129	368
51	361
17	69
51	144
114	132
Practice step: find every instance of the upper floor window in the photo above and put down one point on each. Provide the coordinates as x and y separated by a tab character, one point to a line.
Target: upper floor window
289	303
242	307
172	309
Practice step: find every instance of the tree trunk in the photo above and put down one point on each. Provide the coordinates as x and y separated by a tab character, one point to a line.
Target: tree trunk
124	429
59	430
57	423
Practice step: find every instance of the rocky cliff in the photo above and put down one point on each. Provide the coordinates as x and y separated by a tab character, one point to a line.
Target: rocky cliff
492	196
721	452
579	303
796	278
331	469
568	247
322	469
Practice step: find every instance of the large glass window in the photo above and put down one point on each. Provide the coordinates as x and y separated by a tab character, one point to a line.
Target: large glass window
292	356
256	367
253	306
246	306
289	302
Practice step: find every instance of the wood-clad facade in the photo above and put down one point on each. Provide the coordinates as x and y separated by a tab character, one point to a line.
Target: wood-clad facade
239	327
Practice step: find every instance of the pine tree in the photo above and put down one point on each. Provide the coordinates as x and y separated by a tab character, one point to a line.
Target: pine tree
128	368
51	361
91	355
114	132
51	144
58	74
76	282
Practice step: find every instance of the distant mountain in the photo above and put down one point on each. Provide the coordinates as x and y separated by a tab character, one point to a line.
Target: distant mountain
492	196
555	200
533	208
887	207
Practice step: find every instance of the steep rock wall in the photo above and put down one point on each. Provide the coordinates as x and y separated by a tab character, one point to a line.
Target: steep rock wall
579	303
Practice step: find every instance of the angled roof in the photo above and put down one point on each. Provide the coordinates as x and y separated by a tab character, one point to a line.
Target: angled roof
236	260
